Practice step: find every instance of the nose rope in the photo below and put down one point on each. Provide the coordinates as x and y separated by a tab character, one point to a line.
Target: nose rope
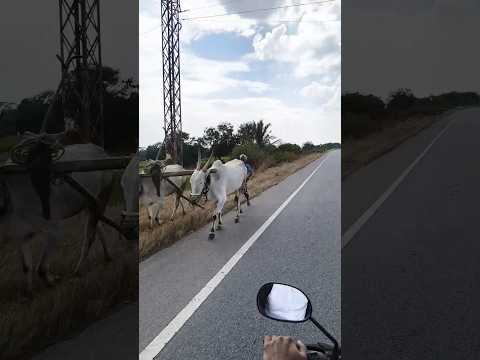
37	152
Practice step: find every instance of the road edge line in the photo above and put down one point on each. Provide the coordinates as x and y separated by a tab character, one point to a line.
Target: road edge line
163	338
363	219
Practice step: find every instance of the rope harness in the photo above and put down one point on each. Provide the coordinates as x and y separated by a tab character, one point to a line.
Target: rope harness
206	188
37	153
157	171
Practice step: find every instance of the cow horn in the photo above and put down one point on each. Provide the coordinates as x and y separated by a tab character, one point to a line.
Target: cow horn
199	161
207	164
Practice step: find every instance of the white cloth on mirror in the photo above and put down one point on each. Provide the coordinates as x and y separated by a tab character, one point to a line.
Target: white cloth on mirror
286	303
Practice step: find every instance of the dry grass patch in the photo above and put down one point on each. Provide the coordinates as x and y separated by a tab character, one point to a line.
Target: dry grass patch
73	303
357	153
164	235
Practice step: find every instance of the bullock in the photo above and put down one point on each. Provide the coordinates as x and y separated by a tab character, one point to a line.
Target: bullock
154	189
216	183
31	213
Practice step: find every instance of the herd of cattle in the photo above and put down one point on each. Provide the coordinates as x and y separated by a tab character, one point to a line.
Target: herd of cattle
22	210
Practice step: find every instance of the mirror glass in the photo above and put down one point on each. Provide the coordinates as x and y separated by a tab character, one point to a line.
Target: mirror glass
283	302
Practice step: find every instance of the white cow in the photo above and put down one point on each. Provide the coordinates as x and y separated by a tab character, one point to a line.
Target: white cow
217	182
154	189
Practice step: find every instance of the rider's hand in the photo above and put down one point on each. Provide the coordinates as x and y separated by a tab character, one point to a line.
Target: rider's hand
283	348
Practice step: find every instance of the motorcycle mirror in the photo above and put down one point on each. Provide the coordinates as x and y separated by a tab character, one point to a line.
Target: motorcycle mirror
283	302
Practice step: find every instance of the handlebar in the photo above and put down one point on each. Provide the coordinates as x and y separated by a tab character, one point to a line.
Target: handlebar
321	351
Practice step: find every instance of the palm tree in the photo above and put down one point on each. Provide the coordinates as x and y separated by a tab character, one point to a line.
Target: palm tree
263	135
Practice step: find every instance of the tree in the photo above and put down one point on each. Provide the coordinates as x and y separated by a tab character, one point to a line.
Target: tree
401	99
263	135
211	136
308	147
31	111
246	132
358	103
222	139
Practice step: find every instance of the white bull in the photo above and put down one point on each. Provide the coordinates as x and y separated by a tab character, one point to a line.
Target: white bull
217	182
154	189
24	217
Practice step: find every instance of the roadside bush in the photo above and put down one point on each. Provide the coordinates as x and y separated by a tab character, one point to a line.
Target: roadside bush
284	156
359	125
293	148
256	156
308	147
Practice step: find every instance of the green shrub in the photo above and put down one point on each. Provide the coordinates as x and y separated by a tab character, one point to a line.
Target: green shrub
284	156
256	156
308	147
293	148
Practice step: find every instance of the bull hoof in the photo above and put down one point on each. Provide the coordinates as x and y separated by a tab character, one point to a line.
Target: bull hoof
237	220
211	236
241	211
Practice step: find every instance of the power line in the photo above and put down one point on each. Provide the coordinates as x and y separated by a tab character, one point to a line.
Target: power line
266	21
211	6
255	10
282	21
258	10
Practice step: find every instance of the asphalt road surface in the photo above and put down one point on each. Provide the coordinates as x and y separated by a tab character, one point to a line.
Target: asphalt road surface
301	247
411	274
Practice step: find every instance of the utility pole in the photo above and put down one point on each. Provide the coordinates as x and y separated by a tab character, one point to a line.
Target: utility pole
172	109
81	88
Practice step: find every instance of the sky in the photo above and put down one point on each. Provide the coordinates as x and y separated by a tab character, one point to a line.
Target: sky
29	38
282	66
429	46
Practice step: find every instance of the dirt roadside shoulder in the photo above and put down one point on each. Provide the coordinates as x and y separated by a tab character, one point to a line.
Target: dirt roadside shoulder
164	235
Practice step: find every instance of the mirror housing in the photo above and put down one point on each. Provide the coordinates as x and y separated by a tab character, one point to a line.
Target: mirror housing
283	302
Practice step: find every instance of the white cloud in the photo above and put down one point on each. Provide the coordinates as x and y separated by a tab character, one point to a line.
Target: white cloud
318	91
314	48
216	91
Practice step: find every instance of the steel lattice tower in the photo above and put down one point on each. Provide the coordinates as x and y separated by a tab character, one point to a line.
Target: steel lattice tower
81	58
172	108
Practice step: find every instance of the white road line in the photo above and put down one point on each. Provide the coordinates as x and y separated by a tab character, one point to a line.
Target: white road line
162	339
363	219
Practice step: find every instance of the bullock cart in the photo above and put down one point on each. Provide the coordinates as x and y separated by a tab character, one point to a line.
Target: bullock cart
61	171
167	175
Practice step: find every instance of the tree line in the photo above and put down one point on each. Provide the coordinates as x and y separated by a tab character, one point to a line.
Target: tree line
364	114
120	113
253	138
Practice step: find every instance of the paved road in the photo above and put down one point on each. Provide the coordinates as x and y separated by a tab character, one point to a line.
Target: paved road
301	247
410	276
114	337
